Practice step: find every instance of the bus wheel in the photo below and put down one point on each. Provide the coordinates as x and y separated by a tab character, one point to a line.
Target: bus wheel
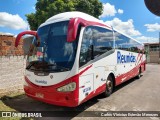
139	74
109	87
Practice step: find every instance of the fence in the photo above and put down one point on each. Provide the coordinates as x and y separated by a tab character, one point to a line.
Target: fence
11	74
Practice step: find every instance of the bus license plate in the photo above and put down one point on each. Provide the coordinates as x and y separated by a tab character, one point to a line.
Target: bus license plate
39	95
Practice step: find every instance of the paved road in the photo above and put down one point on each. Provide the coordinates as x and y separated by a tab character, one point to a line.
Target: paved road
134	95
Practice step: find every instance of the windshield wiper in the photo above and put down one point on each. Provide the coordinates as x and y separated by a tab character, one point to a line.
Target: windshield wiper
31	64
64	68
35	62
46	65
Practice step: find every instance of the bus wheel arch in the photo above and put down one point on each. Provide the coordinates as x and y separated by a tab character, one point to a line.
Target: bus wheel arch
110	84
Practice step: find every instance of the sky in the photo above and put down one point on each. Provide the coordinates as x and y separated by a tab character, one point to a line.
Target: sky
129	16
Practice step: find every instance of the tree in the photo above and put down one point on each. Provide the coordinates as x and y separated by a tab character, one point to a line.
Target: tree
48	8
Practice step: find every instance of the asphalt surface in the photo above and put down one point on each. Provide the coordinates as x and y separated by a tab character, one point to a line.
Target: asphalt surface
134	95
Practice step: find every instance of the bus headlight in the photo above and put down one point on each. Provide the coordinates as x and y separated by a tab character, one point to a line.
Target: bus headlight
67	88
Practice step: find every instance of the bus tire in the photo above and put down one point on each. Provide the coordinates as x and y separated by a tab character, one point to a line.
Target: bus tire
109	87
139	74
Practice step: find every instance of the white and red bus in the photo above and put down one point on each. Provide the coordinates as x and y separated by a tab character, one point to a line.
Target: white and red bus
74	57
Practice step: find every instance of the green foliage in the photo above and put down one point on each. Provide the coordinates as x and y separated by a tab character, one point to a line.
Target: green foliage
48	8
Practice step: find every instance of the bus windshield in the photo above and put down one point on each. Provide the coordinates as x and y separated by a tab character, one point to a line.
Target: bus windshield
51	51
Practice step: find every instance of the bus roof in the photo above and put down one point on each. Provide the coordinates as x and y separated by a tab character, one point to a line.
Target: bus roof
74	14
68	15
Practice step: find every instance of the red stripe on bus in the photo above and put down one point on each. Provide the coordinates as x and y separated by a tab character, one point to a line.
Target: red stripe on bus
130	74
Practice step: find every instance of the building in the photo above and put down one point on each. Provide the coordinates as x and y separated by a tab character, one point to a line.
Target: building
7	47
27	41
152	52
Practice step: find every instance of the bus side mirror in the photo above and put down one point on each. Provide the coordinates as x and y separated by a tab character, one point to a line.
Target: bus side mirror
19	36
73	28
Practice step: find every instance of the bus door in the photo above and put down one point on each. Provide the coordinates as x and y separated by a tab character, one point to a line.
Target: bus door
85	85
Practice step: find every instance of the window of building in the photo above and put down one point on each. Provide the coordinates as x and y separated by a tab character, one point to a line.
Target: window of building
154	48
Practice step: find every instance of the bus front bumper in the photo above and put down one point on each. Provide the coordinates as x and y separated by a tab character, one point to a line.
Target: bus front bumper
55	98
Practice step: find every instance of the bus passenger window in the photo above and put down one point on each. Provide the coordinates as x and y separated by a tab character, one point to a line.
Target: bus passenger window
96	41
103	40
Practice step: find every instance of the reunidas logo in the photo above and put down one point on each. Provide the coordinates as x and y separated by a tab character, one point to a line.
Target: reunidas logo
125	58
41	81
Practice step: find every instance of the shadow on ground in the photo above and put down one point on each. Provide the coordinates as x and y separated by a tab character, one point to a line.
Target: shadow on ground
23	103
